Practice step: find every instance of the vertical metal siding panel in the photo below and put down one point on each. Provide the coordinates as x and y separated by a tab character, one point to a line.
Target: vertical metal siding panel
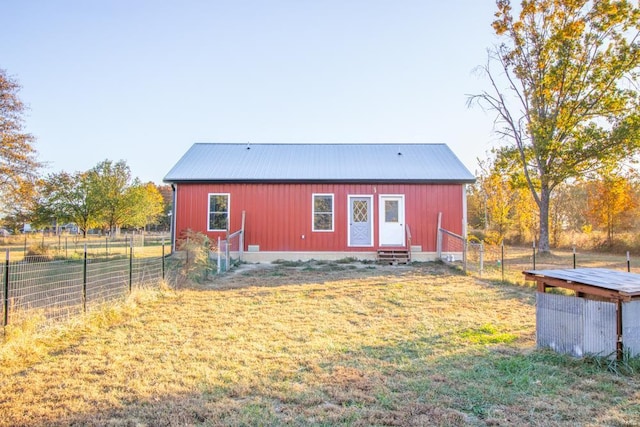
600	328
339	242
296	211
631	327
560	323
279	205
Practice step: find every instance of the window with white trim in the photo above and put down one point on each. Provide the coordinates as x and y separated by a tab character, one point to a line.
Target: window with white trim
218	212
322	212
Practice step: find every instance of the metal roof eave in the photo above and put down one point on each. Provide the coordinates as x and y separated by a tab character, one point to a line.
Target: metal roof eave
320	181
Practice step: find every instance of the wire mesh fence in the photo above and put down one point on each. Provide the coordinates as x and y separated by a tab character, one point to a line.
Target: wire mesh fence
230	251
502	262
507	263
65	246
451	248
60	289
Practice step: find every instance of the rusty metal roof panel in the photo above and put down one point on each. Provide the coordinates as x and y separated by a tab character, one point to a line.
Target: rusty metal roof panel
320	162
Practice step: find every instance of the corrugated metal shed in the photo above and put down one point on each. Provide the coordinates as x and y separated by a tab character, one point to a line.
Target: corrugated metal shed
602	318
410	163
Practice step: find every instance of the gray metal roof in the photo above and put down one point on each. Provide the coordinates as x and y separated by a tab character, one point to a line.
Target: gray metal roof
620	281
433	163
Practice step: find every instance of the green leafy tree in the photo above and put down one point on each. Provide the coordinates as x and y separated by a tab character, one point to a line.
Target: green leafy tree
565	90
146	205
70	197
111	182
18	158
167	198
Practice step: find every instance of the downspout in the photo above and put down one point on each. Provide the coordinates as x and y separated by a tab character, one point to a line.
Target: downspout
173	217
464	211
464	227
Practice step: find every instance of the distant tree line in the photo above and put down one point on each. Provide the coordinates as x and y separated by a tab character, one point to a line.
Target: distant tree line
105	198
599	210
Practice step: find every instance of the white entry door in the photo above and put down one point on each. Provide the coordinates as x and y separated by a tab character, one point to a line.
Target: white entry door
391	220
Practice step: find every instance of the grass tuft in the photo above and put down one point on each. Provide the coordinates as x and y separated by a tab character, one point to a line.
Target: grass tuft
487	334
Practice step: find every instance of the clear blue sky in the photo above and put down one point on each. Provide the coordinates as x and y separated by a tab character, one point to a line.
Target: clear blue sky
143	80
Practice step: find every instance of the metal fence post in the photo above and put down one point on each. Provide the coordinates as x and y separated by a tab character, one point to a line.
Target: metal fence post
5	321
131	265
84	279
465	249
481	257
502	259
163	258
219	270
628	263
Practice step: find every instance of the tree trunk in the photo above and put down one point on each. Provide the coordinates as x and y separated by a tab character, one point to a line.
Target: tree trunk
543	243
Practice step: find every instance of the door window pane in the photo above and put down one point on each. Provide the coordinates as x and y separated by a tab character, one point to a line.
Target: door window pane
391	210
360	211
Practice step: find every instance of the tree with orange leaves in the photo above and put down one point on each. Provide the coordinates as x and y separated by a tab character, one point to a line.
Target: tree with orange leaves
564	87
18	161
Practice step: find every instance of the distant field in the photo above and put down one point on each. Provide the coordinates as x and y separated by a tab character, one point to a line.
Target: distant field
312	344
72	246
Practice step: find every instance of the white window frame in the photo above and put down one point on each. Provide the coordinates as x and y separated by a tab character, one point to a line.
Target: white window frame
313	212
209	211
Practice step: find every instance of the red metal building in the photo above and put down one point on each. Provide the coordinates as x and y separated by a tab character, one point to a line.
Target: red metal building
303	201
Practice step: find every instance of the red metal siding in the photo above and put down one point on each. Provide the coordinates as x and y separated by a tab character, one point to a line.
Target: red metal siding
279	215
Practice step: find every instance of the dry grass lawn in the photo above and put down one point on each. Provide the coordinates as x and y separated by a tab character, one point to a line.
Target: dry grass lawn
317	344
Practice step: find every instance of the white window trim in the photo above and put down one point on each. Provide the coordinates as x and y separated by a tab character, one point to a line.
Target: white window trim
313	212
228	211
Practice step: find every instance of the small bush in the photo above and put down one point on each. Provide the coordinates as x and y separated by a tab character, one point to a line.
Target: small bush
38	253
347	260
196	265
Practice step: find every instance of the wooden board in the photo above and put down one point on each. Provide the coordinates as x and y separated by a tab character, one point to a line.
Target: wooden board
597	281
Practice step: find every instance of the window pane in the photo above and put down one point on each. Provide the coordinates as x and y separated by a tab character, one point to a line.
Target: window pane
323	204
322	221
217	221
218	203
360	211
391	210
